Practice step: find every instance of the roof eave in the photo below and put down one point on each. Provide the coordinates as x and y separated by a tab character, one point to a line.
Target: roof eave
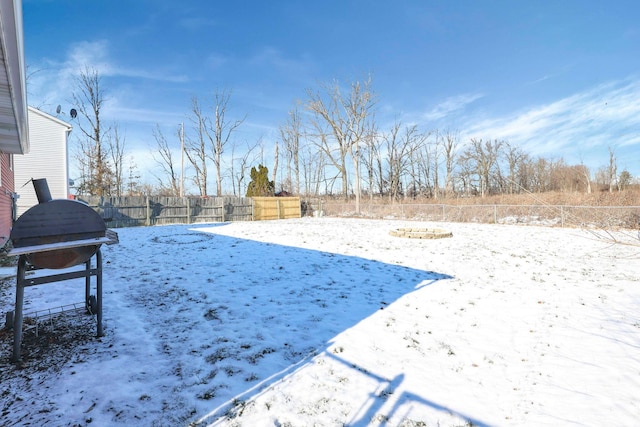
14	129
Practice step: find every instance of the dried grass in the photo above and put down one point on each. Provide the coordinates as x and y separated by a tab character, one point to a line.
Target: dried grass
601	210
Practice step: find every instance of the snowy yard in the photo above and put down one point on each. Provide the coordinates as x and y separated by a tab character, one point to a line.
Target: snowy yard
331	322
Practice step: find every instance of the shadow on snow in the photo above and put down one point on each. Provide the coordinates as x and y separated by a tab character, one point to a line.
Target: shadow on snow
228	316
236	312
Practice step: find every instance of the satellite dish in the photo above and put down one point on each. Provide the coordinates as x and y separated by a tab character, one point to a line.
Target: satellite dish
58	108
73	113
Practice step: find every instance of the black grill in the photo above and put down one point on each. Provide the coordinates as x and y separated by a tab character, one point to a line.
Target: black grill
58	234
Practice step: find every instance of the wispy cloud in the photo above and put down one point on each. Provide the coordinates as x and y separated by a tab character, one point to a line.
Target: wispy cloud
606	115
54	80
450	105
86	53
96	55
539	80
115	111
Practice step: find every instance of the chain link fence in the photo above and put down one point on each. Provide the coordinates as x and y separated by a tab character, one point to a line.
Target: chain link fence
627	217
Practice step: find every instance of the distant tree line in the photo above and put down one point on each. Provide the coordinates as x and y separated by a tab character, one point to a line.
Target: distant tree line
331	145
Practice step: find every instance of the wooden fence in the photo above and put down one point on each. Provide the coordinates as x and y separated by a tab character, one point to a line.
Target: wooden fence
132	211
276	208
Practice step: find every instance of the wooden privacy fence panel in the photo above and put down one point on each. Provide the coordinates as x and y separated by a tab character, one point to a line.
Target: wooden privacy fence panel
238	209
131	211
265	208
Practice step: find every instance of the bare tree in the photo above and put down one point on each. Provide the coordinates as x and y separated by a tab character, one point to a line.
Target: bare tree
466	168
586	174
170	181
424	164
612	170
514	156
276	155
313	170
374	164
116	148
624	180
577	175
342	123
328	121
133	186
541	175
449	142
582	176
523	173
219	132
89	98
435	156
239	172
196	146
484	154
291	133
401	143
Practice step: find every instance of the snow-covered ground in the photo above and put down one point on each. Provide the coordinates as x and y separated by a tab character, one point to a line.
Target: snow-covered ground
331	322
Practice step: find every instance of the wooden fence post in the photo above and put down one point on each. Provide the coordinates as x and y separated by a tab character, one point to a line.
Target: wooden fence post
148	212
186	200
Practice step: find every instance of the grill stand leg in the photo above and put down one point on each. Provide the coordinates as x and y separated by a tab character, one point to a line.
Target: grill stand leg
98	292
17	316
97	307
21	283
87	287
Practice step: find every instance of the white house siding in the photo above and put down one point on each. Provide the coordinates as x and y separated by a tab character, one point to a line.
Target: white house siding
47	158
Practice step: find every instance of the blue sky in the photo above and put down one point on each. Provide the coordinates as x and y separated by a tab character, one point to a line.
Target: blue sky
561	79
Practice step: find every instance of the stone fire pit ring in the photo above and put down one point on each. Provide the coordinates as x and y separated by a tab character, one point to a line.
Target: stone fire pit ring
421	233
